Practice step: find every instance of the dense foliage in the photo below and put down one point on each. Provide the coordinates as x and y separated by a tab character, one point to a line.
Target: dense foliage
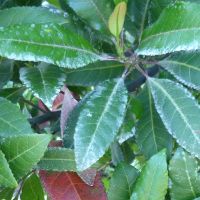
99	99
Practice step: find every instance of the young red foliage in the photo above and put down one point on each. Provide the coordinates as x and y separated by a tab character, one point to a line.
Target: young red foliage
69	186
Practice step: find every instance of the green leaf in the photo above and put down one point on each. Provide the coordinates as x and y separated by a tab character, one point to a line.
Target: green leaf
12	121
32	189
122	182
68	139
168	35
54	2
184	177
22	15
136	19
99	122
94	73
6	71
6	177
24	151
153	180
117	18
6	193
50	43
12	94
185	67
58	159
156	7
151	134
116	153
118	1
95	12
179	112
44	80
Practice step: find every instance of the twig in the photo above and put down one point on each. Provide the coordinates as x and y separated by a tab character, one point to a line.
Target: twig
33	105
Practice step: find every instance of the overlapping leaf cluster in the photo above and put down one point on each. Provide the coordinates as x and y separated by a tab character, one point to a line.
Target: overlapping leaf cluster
80	73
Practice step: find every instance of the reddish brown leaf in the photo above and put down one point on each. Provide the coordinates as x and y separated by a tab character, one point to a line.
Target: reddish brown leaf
68	105
58	101
88	176
55	143
69	186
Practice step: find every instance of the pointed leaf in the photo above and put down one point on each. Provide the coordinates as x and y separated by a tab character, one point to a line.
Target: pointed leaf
95	12
68	186
122	182
22	15
179	112
6	177
152	183
49	43
99	122
184	177
6	71
151	134
12	121
44	80
32	189
185	67
117	18
88	176
168	35
58	159
94	73
24	151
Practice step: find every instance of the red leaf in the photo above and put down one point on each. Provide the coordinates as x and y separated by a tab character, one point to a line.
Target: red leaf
69	186
58	101
68	105
55	143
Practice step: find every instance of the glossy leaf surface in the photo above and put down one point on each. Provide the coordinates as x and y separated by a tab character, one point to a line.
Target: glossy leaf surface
94	73
68	186
153	180
68	139
184	176
95	12
122	182
49	43
179	112
99	122
22	15
44	80
174	35
6	71
185	67
32	189
58	159
12	124
6	177
24	151
151	134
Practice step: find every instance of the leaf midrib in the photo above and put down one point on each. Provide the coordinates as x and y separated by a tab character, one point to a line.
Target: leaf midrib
180	63
100	119
51	45
188	176
27	150
169	32
176	106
